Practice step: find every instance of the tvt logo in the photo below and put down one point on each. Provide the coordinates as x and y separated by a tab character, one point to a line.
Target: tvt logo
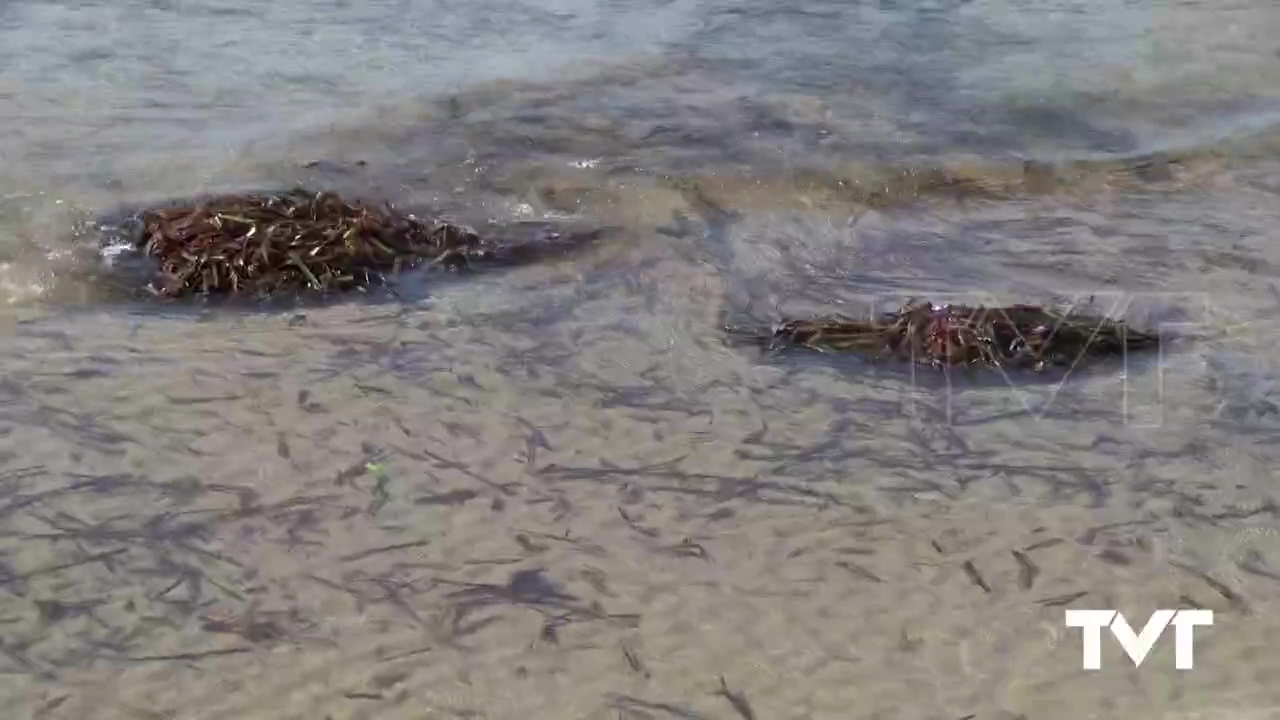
1138	645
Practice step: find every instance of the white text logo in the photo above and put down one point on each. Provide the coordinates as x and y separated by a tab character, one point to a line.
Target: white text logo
1138	645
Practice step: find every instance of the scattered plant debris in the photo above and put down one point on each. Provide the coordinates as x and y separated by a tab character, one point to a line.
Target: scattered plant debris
1015	337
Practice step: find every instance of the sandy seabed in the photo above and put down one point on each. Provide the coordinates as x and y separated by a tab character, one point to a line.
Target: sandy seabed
556	494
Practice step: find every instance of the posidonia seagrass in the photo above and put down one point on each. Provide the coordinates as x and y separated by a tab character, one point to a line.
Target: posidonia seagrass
1017	336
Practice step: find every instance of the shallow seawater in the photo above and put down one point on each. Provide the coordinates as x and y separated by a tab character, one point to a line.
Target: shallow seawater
555	491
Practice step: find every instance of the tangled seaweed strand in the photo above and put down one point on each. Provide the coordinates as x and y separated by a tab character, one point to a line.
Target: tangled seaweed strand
1015	337
267	243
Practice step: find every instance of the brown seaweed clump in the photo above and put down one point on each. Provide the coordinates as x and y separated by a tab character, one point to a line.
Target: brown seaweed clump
267	243
1016	337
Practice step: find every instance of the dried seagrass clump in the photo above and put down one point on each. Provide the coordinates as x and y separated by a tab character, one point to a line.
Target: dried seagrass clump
1015	337
262	243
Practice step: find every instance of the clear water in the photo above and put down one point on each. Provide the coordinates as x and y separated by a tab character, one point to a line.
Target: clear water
160	466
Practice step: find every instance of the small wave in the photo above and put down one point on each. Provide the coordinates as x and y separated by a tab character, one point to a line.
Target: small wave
18	286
